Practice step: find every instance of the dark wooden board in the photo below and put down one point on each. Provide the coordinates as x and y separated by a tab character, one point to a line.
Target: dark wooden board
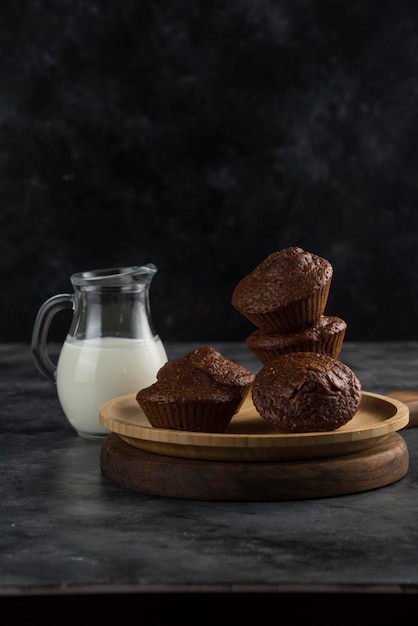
132	468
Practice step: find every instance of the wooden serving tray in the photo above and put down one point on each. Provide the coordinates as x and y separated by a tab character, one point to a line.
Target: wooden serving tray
410	399
191	479
250	438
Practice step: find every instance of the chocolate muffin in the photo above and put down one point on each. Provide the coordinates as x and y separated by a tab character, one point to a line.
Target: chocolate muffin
303	392
287	291
325	336
199	392
221	369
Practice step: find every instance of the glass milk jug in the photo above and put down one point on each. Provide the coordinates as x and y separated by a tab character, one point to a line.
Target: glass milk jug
111	348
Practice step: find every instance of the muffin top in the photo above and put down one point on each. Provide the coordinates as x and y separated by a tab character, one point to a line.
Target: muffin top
306	392
284	277
181	382
220	368
202	374
326	325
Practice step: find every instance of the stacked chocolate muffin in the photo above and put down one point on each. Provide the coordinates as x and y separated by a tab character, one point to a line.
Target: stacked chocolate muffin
285	297
302	387
302	392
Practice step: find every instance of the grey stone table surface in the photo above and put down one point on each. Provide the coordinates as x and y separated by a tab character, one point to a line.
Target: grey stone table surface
66	530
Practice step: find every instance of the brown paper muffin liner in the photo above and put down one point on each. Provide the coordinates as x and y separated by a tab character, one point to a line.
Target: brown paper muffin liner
295	316
194	416
330	344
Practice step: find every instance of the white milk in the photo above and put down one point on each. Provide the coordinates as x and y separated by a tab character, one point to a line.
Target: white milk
92	371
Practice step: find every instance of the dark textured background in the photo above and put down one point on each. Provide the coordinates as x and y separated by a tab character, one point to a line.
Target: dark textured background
202	136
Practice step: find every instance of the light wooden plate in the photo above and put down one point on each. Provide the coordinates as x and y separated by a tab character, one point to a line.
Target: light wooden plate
251	438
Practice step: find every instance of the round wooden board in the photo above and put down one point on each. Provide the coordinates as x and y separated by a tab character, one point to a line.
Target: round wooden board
193	479
251	438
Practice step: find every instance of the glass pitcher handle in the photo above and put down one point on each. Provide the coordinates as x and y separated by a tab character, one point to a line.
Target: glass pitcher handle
40	332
